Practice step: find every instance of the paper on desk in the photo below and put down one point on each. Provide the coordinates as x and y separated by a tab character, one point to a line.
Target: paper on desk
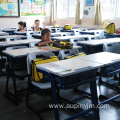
54	67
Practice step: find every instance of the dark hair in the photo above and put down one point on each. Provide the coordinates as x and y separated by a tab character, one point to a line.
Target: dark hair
22	23
37	20
45	31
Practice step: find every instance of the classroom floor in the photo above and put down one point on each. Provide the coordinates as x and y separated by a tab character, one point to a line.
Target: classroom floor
8	111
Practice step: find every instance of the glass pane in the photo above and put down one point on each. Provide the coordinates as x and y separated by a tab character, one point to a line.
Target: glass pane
72	8
62	8
118	9
108	9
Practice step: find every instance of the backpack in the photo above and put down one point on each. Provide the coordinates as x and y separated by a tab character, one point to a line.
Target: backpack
67	27
37	76
62	44
110	27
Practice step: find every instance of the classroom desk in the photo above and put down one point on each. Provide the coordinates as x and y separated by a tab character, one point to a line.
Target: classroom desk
105	58
26	51
3	33
20	33
94	46
19	54
13	55
66	69
25	33
10	31
55	29
111	62
6	44
13	36
86	37
107	35
54	34
94	32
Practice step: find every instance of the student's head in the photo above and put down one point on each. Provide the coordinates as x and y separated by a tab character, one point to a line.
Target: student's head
46	34
37	23
21	25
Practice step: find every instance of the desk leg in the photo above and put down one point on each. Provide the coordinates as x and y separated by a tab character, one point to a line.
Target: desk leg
8	94
94	98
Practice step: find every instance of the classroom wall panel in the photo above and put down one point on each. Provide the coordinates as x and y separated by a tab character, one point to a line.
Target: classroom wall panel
13	22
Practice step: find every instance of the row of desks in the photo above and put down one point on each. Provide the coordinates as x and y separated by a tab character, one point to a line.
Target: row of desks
75	65
79	67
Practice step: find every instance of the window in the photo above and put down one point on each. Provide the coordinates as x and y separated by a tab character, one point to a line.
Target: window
67	8
118	9
110	9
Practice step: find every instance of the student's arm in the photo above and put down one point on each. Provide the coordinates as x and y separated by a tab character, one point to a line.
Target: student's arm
34	29
43	43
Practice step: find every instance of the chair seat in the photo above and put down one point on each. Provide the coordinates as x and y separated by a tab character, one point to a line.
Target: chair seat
21	73
40	85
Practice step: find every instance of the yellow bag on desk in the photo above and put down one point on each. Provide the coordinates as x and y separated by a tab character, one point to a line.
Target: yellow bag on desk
110	27
37	76
68	27
77	55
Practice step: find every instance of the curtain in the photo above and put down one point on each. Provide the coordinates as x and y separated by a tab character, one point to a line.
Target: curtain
52	12
77	15
98	14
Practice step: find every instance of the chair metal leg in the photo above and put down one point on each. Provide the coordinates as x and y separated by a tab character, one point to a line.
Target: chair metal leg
54	98
8	94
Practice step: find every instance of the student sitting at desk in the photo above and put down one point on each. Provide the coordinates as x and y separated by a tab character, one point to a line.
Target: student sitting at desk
36	26
46	37
22	26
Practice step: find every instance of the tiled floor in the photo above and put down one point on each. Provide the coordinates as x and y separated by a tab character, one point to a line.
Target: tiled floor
9	111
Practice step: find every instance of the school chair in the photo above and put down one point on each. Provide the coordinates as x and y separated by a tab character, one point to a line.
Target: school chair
19	64
112	47
32	44
75	40
39	86
16	68
111	71
65	53
30	33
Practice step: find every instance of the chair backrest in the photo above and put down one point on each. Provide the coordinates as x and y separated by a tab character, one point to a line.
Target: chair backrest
32	44
75	40
65	53
13	39
16	47
77	31
33	56
112	47
58	29
100	34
